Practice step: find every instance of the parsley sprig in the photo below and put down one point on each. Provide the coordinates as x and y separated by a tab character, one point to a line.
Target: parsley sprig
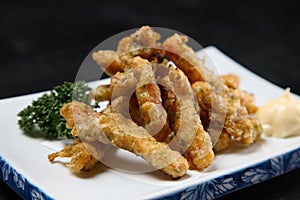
42	117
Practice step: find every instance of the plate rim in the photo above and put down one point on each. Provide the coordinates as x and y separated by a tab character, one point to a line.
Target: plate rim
273	166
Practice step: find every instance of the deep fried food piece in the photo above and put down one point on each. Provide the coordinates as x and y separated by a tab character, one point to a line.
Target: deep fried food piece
171	104
148	96
121	105
102	93
203	90
83	155
134	111
223	142
109	61
238	123
186	59
141	43
121	94
190	138
121	84
211	103
231	80
247	100
82	122
125	134
200	150
182	56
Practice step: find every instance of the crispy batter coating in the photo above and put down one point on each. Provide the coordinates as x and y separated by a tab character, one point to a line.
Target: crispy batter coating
224	141
109	61
141	43
102	93
200	150
158	112
191	138
82	120
121	84
247	100
150	103
127	135
171	104
211	103
239	124
124	133
83	155
231	80
186	59
134	111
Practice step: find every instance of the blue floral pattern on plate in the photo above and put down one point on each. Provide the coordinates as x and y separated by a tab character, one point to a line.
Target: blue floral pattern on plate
19	183
211	189
240	179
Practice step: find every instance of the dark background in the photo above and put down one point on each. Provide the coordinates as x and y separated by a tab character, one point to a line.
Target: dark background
42	44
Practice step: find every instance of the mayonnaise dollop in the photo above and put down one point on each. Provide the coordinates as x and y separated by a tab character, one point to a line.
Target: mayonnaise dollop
281	117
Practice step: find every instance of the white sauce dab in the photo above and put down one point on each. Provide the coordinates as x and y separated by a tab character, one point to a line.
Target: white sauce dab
281	117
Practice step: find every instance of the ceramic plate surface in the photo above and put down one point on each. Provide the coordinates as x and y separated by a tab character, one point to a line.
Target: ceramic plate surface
25	167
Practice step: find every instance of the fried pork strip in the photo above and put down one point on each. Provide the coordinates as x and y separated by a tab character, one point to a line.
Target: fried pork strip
124	133
83	156
185	58
239	124
233	81
148	96
247	100
83	122
223	142
110	61
141	43
137	140
171	106
102	93
121	84
188	129
118	92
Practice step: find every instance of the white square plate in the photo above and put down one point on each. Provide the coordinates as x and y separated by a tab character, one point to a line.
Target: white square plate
25	167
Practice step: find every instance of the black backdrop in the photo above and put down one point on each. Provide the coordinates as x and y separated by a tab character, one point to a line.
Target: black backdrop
43	44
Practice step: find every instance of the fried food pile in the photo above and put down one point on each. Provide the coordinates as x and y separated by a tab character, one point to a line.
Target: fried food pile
164	106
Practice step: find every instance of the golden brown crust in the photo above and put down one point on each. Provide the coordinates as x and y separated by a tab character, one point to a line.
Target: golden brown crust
190	135
239	123
231	80
102	93
223	142
247	100
185	58
137	140
81	118
148	96
83	155
141	43
137	67
136	43
109	61
124	133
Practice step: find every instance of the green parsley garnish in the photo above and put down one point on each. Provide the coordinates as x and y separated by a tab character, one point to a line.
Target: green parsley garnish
42	118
